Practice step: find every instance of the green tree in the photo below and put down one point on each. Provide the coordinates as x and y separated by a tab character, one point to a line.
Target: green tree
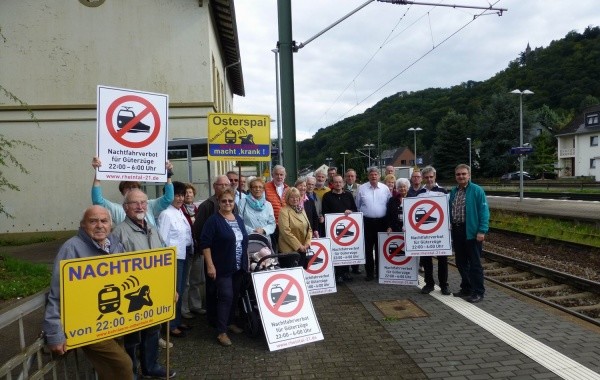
451	147
543	157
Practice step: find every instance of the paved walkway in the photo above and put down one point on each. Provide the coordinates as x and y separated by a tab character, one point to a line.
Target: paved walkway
504	337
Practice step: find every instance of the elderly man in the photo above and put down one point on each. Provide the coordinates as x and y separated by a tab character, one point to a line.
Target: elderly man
415	184
469	215
372	200
351	184
321	187
108	357
235	182
155	206
390	170
331	172
275	194
137	234
339	200
431	188
206	209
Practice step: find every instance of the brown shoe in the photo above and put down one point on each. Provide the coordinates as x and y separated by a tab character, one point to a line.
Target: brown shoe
234	329
224	340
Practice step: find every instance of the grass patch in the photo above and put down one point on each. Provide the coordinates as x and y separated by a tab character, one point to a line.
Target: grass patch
570	231
25	238
21	279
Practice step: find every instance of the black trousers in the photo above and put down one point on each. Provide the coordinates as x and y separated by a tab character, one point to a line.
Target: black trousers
427	262
372	227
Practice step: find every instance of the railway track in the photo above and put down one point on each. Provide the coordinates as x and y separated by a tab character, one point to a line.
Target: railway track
574	295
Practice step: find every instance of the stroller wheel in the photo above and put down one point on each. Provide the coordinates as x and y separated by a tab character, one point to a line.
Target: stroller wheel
253	324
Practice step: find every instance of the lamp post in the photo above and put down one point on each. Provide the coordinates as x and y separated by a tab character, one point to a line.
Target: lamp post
369	147
521	93
469	140
279	147
414	130
344	154
328	159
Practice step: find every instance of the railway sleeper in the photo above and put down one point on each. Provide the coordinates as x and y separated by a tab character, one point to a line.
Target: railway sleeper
580	296
504	277
533	281
550	289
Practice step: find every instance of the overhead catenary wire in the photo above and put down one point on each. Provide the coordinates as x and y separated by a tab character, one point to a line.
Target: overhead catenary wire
417	60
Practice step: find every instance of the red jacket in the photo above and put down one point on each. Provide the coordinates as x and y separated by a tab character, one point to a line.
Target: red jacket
274	199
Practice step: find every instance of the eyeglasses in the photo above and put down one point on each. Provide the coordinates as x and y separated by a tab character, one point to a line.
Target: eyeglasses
224	201
138	203
234	180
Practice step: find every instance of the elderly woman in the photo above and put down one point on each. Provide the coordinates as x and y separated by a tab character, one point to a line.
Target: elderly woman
309	206
224	243
390	182
176	231
394	206
294	228
256	211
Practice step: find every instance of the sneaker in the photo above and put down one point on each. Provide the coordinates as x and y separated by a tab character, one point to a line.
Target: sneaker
426	289
158	373
163	343
187	315
235	329
462	294
475	298
198	311
224	340
446	291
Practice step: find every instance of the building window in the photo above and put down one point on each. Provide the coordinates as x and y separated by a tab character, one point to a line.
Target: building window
593	140
592	119
592	163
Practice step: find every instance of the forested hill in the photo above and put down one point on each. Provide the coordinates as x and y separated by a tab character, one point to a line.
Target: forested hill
565	77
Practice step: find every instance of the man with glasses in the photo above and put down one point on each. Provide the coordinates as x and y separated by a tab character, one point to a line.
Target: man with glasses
234	182
155	206
137	234
206	209
469	215
415	184
431	188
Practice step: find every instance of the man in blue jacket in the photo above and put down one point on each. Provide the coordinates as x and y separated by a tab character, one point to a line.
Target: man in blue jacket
470	215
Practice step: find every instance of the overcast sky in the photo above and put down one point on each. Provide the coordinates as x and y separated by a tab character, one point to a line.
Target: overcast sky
412	47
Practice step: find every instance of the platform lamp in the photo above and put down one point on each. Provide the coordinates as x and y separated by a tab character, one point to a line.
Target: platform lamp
369	147
344	154
414	130
469	140
521	93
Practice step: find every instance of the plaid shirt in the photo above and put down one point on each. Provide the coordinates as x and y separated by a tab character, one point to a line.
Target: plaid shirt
458	206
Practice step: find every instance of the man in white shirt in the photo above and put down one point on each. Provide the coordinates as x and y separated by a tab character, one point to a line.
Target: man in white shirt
372	200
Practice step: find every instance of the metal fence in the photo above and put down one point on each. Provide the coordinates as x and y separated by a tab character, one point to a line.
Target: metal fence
23	352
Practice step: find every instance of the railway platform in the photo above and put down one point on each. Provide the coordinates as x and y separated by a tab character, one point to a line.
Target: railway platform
561	208
375	331
506	336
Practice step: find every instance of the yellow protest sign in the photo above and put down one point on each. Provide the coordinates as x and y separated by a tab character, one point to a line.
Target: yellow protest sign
239	137
107	296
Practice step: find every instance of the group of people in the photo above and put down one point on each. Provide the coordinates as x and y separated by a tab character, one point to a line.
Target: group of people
212	240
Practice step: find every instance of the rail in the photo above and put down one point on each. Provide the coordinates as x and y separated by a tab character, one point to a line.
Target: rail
29	360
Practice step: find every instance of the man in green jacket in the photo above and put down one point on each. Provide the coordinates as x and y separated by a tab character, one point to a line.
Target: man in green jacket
470	215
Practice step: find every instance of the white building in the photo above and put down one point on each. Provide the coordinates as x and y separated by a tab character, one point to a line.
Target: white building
57	52
578	149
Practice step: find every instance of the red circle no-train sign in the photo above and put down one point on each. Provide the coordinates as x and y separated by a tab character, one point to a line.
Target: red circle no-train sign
424	213
319	260
277	296
123	123
393	250
344	228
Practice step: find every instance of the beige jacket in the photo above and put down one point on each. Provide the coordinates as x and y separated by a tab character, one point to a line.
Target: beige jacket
294	230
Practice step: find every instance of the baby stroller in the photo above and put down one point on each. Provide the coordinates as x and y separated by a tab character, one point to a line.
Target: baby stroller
260	257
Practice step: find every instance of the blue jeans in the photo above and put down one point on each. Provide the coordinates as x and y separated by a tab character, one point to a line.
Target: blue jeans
179	286
468	261
147	341
228	292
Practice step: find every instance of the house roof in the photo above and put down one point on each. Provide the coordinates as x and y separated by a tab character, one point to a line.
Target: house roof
225	22
577	125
